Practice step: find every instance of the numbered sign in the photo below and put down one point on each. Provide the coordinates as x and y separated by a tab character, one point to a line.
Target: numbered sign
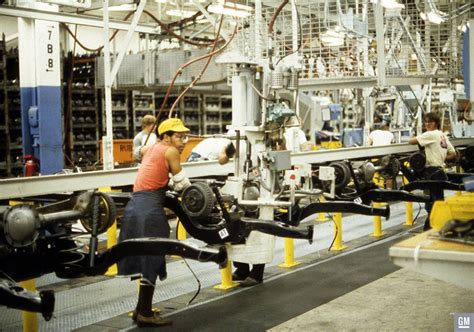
47	53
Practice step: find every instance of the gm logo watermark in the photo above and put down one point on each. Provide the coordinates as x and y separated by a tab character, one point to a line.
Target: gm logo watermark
464	322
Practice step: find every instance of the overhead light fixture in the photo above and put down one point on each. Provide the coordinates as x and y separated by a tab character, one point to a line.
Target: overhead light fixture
126	7
332	37
432	17
230	8
180	13
389	4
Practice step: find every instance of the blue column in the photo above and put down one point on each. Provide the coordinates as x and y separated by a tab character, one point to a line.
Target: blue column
40	92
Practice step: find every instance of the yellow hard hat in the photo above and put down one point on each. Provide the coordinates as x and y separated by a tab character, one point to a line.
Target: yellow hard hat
173	124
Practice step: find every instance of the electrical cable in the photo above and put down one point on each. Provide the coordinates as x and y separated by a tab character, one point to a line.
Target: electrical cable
260	94
335	234
300	43
179	37
180	69
198	77
192	272
270	31
166	27
417	214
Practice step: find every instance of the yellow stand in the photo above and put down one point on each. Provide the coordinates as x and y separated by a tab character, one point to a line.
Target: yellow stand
409	208
322	215
29	319
226	278
379	181
111	237
181	231
409	214
112	241
289	254
338	243
377	223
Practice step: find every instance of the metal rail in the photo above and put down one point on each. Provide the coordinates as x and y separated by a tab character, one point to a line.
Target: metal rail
74	19
50	184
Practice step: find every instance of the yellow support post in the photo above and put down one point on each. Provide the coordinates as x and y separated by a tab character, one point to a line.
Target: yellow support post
379	181
322	217
409	214
181	231
29	319
409	208
289	254
338	243
377	223
111	237
112	241
226	278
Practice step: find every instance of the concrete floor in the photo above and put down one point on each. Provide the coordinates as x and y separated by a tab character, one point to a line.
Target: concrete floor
401	301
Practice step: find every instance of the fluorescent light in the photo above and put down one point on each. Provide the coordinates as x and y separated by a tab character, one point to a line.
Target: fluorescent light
235	5
389	4
126	7
230	8
180	13
332	37
431	17
434	18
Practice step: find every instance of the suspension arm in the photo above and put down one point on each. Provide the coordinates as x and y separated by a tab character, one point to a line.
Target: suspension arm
349	207
384	195
278	229
155	246
433	185
16	297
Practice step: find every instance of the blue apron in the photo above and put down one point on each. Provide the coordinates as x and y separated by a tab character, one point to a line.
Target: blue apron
144	216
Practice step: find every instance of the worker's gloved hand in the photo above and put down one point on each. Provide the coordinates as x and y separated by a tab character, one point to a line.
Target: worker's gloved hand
179	181
230	150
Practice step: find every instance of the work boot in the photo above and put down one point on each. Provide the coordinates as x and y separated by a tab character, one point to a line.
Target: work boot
134	313
249	282
145	315
241	272
153	320
238	276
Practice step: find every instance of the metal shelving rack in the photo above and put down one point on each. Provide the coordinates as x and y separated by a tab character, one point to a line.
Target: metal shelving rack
217	113
143	103
10	113
120	114
4	128
83	119
191	107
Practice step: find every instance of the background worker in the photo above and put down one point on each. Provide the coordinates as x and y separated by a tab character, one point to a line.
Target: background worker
148	121
213	148
438	149
295	138
381	136
144	214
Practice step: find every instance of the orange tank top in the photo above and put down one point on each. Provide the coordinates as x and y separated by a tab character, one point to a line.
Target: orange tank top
154	170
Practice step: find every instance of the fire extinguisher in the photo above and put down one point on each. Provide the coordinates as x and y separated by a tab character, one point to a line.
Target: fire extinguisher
31	165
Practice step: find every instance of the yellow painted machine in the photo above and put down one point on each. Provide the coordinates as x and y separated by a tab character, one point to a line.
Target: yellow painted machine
454	218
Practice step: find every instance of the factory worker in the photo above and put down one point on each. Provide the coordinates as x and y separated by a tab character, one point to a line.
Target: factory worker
145	216
381	136
148	121
295	138
213	148
438	149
